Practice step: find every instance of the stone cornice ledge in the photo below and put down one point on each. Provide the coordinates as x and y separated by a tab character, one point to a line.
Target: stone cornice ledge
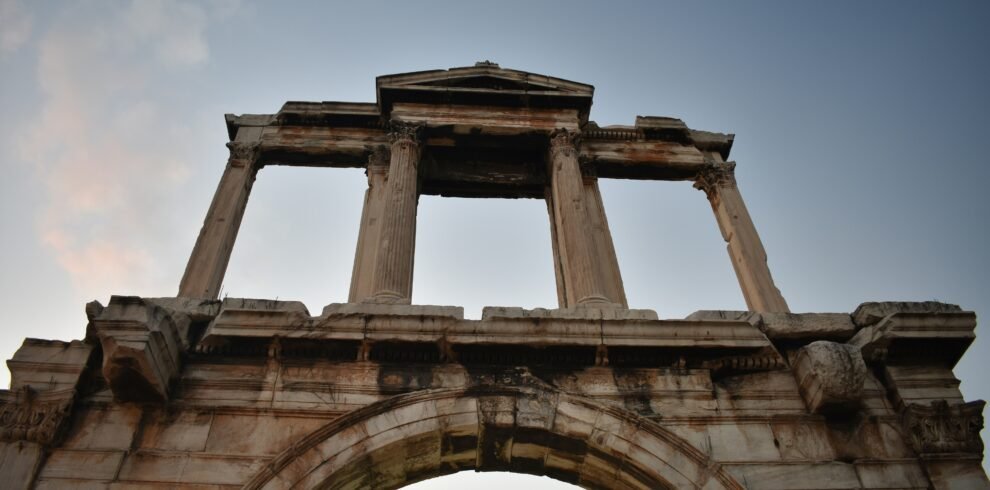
429	324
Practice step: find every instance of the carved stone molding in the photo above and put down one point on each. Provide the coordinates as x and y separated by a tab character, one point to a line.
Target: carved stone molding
564	141
244	152
715	176
944	428
29	415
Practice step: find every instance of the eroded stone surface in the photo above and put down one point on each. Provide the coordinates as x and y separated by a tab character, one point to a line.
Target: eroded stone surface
867	314
797	326
831	376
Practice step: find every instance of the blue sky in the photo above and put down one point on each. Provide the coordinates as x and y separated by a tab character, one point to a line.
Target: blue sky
860	130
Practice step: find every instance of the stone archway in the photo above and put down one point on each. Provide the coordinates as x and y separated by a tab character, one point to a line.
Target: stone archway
522	429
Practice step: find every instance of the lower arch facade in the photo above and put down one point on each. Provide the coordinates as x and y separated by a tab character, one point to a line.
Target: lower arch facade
526	429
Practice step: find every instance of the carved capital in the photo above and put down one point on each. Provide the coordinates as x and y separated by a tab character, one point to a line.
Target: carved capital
405	133
29	415
241	152
715	176
378	161
564	142
944	428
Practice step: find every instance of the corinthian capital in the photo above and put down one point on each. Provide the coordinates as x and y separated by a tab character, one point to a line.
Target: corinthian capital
564	141
715	176
244	152
404	133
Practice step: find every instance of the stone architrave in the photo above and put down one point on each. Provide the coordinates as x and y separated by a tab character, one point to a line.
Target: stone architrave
369	233
749	259
392	279
208	262
582	278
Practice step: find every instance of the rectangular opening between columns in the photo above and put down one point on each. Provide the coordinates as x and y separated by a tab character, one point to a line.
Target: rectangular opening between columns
669	248
298	235
483	252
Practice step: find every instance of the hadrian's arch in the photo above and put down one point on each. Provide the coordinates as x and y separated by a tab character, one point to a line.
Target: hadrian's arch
202	392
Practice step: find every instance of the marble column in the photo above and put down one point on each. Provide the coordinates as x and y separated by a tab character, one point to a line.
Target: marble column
393	266
749	259
369	234
605	258
208	261
581	280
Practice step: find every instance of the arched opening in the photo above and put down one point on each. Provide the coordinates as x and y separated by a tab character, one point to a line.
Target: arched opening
514	423
497	480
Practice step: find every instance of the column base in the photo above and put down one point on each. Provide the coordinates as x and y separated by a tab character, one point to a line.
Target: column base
388	298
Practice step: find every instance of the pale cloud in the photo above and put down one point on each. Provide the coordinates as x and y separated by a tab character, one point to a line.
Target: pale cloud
15	26
104	143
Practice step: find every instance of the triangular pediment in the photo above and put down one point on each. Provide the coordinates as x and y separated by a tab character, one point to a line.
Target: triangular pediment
485	84
484	76
490	82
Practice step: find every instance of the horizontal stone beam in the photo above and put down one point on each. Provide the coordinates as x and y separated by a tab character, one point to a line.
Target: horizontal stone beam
350	147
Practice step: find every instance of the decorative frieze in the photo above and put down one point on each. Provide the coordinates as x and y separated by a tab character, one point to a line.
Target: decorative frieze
944	428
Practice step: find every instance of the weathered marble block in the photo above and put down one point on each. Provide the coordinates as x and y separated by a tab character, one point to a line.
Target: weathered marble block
142	345
830	376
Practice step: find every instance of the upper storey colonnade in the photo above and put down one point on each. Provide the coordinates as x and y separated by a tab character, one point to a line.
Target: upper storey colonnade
480	131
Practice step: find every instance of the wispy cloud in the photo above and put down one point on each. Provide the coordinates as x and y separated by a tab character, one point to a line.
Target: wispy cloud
104	143
15	26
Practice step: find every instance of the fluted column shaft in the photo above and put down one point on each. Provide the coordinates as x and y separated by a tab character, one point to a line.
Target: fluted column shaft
369	234
749	258
392	280
605	258
579	273
208	262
